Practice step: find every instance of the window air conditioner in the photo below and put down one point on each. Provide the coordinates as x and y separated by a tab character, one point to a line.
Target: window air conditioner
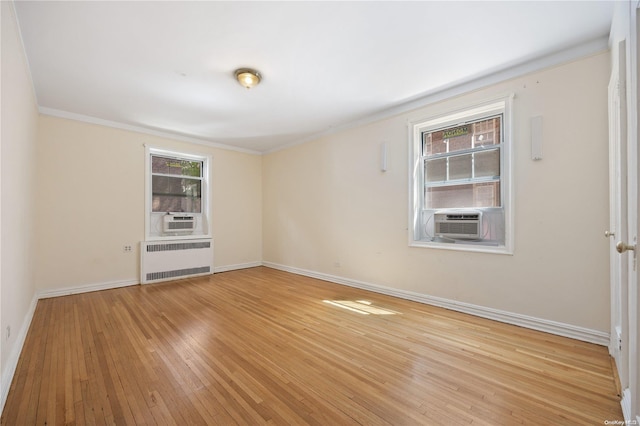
458	224
178	223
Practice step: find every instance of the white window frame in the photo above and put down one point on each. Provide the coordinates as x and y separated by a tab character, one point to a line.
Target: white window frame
491	107
203	218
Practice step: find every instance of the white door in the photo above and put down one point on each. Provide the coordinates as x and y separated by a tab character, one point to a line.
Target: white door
623	132
631	395
618	229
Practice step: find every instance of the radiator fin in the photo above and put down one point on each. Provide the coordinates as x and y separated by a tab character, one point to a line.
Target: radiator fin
179	225
178	273
457	228
177	246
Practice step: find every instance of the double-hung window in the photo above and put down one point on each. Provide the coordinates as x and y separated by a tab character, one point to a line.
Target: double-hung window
177	195
176	184
461	179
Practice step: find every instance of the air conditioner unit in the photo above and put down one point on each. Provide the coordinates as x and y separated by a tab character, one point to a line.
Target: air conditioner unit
172	223
458	224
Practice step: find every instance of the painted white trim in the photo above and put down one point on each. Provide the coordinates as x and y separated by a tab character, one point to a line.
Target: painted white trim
206	194
12	362
633	217
139	129
237	266
66	291
625	403
501	104
552	327
485	79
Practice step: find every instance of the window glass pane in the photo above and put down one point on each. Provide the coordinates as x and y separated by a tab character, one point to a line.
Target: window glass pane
460	167
449	196
486	195
487	163
487	132
174	166
434	144
458	143
173	194
472	135
436	170
448	140
427	144
461	196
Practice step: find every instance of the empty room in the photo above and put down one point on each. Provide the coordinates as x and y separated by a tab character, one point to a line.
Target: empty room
323	213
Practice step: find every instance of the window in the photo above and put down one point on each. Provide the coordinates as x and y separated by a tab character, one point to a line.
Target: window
461	179
462	165
176	184
177	200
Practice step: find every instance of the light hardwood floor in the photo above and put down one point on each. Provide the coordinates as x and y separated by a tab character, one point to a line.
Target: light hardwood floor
259	346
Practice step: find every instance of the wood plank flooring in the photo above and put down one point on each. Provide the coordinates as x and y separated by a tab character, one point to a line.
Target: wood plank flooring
259	346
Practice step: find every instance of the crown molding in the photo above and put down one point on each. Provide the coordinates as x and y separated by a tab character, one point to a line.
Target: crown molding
475	82
139	129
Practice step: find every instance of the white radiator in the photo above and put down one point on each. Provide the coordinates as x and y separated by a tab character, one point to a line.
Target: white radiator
163	260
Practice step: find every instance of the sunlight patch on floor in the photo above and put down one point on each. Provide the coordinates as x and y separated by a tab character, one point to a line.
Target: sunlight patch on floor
362	307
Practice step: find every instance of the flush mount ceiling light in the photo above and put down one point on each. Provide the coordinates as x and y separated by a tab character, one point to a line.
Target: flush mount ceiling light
247	77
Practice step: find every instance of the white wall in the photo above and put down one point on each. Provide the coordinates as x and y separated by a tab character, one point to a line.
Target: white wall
329	209
17	195
90	187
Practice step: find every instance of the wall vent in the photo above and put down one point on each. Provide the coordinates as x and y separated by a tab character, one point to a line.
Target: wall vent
162	261
155	276
178	224
466	225
177	246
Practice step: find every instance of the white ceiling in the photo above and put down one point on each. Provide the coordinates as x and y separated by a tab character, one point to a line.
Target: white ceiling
168	66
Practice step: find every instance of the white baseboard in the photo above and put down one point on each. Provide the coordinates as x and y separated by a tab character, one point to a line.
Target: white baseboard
86	288
552	327
125	283
12	363
237	266
625	403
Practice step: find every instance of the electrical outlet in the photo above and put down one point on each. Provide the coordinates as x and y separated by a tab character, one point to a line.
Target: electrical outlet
127	249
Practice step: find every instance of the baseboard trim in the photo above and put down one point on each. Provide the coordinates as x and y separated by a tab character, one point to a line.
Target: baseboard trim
552	327
14	357
625	403
66	291
237	266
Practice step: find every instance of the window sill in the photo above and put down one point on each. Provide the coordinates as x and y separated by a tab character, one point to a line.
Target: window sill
477	247
178	237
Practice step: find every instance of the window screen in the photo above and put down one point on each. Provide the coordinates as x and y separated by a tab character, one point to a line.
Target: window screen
462	165
176	185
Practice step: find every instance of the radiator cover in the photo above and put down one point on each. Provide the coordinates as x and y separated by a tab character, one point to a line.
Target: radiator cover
171	260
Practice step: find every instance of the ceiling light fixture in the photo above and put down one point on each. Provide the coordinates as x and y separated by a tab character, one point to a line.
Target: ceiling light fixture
247	77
